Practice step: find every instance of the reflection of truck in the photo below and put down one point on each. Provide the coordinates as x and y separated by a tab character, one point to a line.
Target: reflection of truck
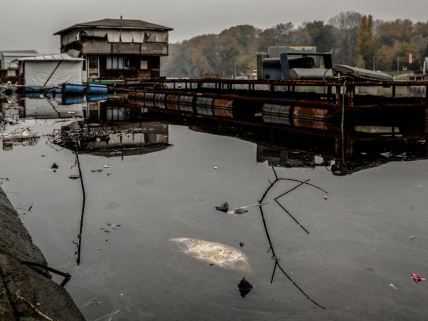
421	74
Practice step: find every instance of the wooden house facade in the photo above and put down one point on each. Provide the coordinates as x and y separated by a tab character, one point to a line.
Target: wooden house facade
117	48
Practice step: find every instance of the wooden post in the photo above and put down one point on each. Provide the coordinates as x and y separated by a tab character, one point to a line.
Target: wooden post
338	95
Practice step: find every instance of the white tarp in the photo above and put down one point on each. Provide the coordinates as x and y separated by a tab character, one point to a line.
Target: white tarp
70	37
113	36
38	72
124	36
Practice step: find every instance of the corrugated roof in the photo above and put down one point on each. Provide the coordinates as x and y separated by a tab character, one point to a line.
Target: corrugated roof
118	24
55	57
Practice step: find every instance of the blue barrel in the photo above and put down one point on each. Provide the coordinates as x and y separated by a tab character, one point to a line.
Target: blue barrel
95	98
72	100
96	89
72	89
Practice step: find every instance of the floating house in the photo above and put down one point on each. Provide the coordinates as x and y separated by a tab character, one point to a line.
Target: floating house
49	71
8	65
117	48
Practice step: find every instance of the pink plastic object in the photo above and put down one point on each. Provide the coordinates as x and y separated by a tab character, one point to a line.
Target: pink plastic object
417	278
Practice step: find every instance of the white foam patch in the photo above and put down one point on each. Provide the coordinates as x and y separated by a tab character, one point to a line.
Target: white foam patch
218	254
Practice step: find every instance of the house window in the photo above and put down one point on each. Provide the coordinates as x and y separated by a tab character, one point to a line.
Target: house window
93	62
117	63
144	64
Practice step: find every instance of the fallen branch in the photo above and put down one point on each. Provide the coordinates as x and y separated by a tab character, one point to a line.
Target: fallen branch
271	247
19	297
79	245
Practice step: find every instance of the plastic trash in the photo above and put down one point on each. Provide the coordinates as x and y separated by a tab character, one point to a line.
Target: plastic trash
244	287
242	210
223	207
238	211
417	277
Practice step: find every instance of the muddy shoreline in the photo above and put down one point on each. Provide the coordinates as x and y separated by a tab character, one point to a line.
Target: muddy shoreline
27	292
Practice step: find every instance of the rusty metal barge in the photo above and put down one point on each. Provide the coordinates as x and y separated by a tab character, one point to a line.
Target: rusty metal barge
327	100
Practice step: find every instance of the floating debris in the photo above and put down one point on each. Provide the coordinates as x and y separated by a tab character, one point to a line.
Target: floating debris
215	167
244	287
94	301
241	244
223	207
393	286
238	211
106	166
412	237
54	166
243	209
19	134
417	277
74	176
218	254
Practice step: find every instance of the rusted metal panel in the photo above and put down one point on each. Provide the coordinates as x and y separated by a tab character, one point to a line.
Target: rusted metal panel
223	113
223	103
172	102
305	112
306	123
173	98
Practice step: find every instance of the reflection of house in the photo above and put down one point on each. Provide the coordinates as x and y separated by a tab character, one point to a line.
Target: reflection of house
50	109
8	66
115	48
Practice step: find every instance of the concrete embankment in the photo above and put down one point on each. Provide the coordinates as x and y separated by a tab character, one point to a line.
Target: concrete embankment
27	293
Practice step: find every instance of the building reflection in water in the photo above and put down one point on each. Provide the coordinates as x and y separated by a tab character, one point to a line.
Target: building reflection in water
283	140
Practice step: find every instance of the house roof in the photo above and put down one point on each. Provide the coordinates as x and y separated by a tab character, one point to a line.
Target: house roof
55	57
117	24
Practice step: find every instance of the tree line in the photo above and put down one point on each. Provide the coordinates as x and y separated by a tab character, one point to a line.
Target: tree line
353	38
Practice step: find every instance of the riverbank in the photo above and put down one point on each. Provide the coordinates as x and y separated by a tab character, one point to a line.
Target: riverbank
27	293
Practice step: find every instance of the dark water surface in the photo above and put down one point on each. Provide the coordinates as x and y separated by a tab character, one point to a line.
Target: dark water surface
365	239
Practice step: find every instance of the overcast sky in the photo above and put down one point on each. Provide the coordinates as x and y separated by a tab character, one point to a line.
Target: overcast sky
29	24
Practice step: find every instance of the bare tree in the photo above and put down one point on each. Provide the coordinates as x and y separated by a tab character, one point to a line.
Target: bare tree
346	26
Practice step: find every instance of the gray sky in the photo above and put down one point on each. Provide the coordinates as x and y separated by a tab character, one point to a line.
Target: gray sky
29	24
